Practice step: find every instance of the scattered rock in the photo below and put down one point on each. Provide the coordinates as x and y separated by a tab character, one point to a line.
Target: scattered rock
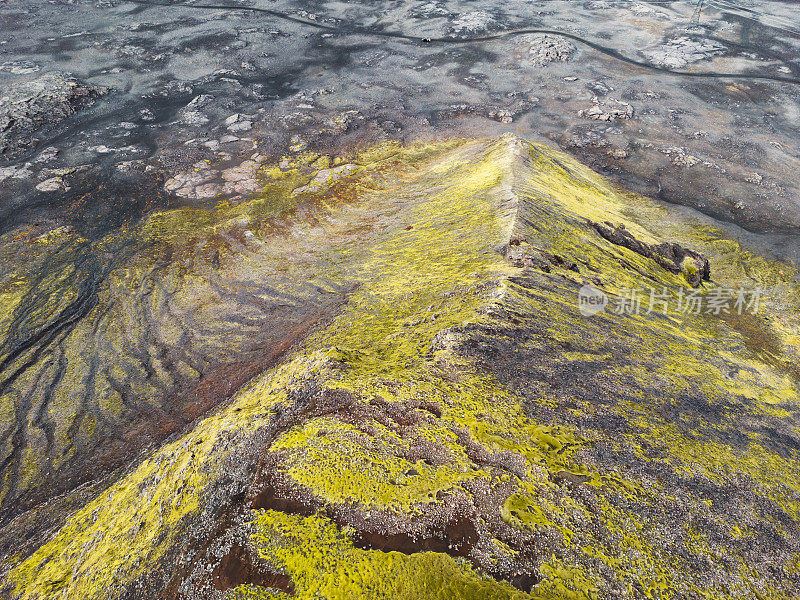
242	179
47	155
193	117
608	110
240	126
297	144
599	88
207	190
206	182
429	10
587	137
20	67
46	173
680	157
342	122
754	178
16	172
520	103
130	167
503	116
201	101
644	10
192	185
472	21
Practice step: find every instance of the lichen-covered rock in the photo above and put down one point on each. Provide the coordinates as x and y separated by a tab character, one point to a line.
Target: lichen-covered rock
459	429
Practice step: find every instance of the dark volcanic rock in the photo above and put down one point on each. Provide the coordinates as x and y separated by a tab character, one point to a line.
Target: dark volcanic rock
30	107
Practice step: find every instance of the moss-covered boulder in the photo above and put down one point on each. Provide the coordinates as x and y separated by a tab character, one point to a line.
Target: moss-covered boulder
453	426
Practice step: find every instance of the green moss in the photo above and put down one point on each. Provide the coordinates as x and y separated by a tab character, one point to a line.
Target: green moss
526	512
342	465
323	563
561	581
9	300
689	267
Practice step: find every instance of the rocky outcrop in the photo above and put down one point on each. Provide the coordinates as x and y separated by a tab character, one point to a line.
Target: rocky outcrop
29	107
545	49
679	52
671	256
458	428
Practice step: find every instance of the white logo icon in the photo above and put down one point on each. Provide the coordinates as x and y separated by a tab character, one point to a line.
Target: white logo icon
591	300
